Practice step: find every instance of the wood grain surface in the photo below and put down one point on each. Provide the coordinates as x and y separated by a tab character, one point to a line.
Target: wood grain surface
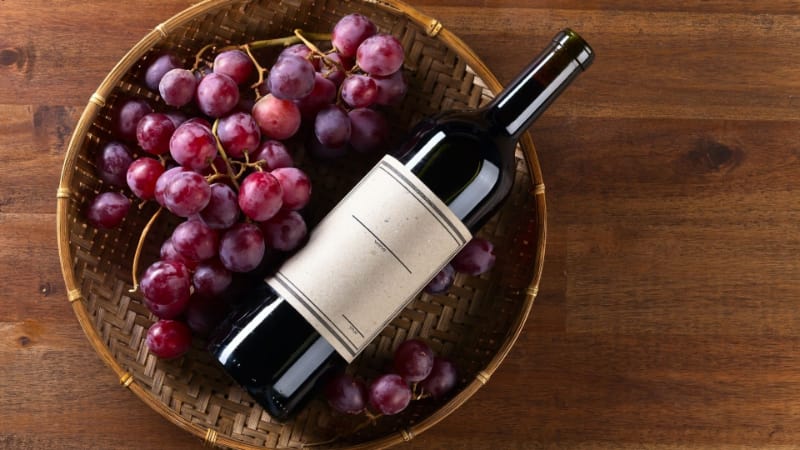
668	311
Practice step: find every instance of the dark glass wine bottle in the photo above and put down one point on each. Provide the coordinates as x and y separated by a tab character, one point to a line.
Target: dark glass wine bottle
466	159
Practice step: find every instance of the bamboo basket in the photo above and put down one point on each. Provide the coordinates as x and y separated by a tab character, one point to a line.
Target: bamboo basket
475	324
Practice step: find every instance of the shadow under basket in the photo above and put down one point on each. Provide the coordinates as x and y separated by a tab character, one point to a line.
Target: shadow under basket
474	324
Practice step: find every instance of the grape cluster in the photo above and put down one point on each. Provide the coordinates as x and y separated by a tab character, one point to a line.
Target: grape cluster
221	160
416	373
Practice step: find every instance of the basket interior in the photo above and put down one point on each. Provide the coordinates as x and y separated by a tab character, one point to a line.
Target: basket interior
470	324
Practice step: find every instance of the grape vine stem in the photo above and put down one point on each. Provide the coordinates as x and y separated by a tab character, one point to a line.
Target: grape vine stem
139	246
224	155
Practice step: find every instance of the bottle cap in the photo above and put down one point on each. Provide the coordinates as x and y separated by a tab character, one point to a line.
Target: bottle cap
577	48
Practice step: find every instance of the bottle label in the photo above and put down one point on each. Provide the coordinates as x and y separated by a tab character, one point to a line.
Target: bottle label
370	256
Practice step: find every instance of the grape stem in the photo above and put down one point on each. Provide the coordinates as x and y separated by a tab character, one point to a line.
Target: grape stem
224	155
302	37
259	68
139	246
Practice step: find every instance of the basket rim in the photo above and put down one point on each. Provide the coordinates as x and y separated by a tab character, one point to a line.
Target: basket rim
64	195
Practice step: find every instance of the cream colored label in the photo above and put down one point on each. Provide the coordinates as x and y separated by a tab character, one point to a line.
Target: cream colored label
370	256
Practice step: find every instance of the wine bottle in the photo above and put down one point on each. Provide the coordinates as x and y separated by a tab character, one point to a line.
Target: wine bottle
378	248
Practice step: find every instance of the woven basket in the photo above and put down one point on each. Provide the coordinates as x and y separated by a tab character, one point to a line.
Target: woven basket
475	323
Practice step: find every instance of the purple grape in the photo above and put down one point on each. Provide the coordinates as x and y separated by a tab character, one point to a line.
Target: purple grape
291	78
154	132
475	258
275	154
389	394
195	240
187	194
239	133
142	176
242	248
380	55
112	163
413	360
168	338
350	31
359	91
260	196
235	64
320	151
161	65
163	182
323	93
391	89
193	145
285	232
178	87
442	379
335	67
107	210
442	281
332	126
302	51
222	210
204	313
126	116
217	94
368	129
176	117
346	394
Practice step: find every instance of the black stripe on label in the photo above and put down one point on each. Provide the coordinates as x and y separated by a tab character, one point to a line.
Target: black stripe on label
323	318
424	200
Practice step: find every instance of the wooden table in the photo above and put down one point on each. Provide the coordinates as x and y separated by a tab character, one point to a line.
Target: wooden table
668	312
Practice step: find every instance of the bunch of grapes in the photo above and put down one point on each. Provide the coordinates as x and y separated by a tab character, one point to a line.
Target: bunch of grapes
416	373
221	160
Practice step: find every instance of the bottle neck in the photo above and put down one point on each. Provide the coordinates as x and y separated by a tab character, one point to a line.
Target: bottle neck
529	95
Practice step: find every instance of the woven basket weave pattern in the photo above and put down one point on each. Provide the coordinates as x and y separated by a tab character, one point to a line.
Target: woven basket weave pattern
475	324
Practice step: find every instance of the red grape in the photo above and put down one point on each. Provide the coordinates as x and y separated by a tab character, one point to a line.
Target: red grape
195	240
142	176
389	394
291	78
161	64
166	287
217	94
349	32
278	119
302	51
369	129
359	91
154	132
442	379
108	209
275	154
176	117
164	180
380	55
235	64
475	258
222	210
332	126
335	67
193	145
239	133
169	338
413	360
211	278
346	394
442	281
187	194
126	115
168	253
260	196
242	248
178	87
295	186
285	232
112	163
